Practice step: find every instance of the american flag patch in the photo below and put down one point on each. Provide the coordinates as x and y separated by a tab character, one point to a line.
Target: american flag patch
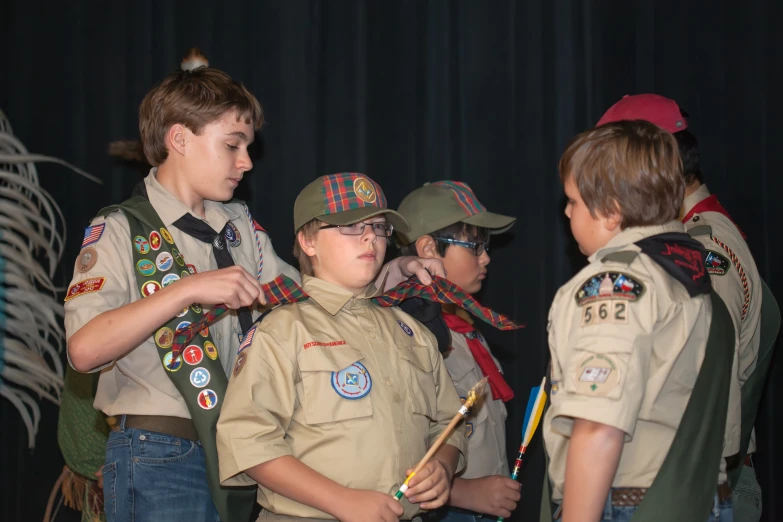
93	234
248	339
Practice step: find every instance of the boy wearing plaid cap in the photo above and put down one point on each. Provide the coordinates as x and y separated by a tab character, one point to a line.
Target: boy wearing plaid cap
334	399
449	223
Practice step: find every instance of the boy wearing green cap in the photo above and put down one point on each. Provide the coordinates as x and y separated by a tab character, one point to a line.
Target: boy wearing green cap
334	399
448	222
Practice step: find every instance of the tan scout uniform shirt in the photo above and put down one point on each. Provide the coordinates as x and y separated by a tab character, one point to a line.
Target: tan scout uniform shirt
362	427
631	366
485	426
729	287
137	383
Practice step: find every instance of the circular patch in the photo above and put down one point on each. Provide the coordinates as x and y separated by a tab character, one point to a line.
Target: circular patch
184	273
178	257
204	332
164	261
86	260
405	328
164	337
597	374
146	267
169	278
353	382
364	190
167	236
191	269
155	240
232	235
207	399
241	359
170	365
183	313
199	377
141	244
192	355
196	308
183	325
149	288
211	350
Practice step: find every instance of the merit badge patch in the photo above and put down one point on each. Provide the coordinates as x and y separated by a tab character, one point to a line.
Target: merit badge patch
232	235
85	287
196	308
247	340
716	263
207	399
204	332
167	236
178	257
146	267
405	328
168	279
86	260
149	288
170	365
155	240
183	312
364	190
353	382
199	377
191	269
183	325
141	244
604	298
193	355
93	234
241	360
164	261
164	337
597	374
211	351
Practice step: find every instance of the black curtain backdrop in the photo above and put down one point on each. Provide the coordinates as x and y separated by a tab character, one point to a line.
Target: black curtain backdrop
408	92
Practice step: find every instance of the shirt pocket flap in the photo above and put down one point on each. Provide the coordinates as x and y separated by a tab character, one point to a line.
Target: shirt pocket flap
328	358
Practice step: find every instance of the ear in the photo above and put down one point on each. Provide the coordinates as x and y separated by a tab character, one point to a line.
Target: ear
613	221
425	247
306	244
176	138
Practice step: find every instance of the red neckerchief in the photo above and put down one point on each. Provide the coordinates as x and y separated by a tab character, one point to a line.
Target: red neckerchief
711	204
499	386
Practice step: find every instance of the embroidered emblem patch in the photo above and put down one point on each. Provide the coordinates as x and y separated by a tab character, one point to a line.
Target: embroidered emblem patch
93	234
154	240
204	332
149	288
183	312
241	360
170	365
597	374
184	273
210	350
609	285
193	355
207	399
199	377
232	235
353	382
364	190
191	269
169	278
178	257
86	260
405	328
167	236
196	308
85	287
183	325
145	267
141	244
716	264
164	261
247	340
164	337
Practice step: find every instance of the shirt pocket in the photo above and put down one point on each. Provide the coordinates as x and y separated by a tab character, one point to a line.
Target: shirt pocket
421	380
335	384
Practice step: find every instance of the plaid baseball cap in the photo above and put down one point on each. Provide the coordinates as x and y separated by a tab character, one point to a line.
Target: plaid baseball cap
442	203
656	109
342	199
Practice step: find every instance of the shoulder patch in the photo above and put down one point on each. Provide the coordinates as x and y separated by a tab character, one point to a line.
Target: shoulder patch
609	285
92	234
87	286
716	264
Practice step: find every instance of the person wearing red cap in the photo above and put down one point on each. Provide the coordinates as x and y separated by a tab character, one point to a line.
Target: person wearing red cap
736	280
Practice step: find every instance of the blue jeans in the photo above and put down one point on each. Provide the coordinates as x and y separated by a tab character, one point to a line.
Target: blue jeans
722	511
747	496
149	476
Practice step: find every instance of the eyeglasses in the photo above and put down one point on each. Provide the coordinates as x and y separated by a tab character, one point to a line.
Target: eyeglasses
478	247
357	229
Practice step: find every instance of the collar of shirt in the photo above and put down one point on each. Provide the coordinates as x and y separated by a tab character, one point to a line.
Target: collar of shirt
699	195
333	298
170	209
625	240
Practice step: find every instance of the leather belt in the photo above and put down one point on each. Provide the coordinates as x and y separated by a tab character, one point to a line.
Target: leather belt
174	426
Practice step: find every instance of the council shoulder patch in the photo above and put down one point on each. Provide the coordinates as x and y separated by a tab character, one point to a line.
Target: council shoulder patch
609	285
86	286
716	263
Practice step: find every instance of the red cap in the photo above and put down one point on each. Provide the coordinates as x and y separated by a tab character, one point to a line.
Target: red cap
663	112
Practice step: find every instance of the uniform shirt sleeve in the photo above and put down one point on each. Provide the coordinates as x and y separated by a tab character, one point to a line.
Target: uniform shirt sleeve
257	408
605	361
110	273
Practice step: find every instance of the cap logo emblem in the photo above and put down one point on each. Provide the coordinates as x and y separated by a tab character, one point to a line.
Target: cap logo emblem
364	190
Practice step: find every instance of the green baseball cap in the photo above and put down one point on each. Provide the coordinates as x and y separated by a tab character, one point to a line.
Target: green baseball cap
442	203
342	199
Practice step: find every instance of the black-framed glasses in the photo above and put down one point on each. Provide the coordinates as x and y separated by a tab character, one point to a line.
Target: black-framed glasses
357	229
478	247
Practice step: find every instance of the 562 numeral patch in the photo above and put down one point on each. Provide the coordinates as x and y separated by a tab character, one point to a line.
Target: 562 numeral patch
613	311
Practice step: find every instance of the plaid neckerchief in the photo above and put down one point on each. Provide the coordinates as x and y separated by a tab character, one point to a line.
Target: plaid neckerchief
284	290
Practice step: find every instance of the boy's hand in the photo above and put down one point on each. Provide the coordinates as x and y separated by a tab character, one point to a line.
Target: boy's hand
430	487
404	267
232	286
493	495
360	505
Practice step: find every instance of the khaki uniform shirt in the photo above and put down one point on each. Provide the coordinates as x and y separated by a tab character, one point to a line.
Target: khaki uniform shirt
728	284
356	391
486	423
137	383
626	363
